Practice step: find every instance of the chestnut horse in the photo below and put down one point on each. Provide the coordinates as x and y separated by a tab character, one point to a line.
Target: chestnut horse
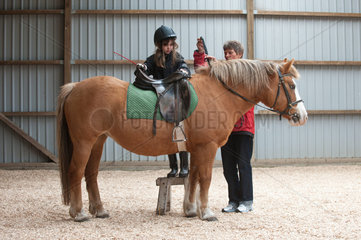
91	110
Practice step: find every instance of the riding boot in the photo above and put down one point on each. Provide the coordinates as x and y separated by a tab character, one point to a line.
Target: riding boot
173	165
183	164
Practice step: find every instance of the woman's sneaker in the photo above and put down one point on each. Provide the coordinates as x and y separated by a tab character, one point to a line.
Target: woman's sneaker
245	206
231	207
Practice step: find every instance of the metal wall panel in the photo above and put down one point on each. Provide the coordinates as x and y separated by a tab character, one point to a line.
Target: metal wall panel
28	88
31	37
319	39
161	4
330	87
30	4
324	136
348	6
322	87
97	36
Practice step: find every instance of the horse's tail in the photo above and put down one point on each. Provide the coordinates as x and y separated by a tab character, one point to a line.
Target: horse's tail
65	146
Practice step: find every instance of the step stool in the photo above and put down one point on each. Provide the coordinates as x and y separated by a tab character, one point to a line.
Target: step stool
164	195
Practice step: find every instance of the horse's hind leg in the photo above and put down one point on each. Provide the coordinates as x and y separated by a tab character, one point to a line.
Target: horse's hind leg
77	166
91	176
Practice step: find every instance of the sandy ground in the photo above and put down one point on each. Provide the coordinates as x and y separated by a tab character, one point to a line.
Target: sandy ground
314	202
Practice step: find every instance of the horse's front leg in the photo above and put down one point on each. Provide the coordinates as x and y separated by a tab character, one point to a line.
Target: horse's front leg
200	173
189	203
205	173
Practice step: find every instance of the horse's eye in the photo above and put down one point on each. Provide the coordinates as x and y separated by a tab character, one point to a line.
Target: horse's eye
292	86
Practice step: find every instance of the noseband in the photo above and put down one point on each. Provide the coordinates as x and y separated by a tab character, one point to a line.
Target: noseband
290	104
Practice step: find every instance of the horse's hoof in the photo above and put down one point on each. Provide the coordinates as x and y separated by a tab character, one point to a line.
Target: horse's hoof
102	214
190	215
81	218
208	215
211	219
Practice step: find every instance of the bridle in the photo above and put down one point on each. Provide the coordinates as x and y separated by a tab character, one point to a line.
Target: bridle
290	104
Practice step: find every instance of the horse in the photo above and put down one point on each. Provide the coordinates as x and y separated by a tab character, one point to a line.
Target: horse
93	109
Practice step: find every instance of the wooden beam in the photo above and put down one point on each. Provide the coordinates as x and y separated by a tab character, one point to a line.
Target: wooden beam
67	41
320	63
28	12
105	62
306	14
250	30
318	112
29	139
32	62
329	63
29	114
162	12
190	62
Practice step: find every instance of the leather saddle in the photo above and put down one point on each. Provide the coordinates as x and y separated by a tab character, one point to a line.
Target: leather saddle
173	94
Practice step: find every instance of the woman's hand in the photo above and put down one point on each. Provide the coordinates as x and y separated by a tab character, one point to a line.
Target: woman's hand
200	45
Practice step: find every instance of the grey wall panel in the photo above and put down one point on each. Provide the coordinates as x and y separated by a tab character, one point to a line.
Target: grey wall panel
324	136
330	87
28	88
14	149
30	4
161	4
96	37
31	37
349	6
319	39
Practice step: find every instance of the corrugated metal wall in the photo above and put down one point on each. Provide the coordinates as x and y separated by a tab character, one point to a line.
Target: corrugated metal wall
96	36
322	87
347	6
29	88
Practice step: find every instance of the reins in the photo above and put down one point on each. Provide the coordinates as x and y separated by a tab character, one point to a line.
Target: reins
281	82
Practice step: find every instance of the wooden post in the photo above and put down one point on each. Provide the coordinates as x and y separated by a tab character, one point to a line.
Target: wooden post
250	30
67	41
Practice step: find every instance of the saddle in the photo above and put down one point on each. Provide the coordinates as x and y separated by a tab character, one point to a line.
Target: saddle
173	96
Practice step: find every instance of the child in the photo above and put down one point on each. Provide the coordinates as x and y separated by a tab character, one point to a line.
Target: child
165	61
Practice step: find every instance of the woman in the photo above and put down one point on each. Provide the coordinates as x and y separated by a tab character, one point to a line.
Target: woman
237	152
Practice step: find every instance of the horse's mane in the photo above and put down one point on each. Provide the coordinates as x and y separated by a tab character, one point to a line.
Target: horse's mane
253	75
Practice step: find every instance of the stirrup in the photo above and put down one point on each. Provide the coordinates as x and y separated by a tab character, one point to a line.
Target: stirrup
178	134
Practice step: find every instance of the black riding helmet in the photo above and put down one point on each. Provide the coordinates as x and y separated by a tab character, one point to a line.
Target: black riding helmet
163	32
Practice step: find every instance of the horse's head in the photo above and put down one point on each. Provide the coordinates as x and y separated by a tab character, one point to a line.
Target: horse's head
285	98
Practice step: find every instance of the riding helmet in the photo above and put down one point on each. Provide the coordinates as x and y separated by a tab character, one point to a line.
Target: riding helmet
163	32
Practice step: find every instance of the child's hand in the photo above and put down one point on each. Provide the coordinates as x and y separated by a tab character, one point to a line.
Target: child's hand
142	66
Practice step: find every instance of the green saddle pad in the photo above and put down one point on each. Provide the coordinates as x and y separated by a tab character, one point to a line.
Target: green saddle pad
141	103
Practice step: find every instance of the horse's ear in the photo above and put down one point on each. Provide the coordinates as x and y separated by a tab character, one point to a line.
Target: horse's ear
285	60
288	65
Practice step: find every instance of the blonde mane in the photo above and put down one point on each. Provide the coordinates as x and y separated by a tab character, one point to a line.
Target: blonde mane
253	75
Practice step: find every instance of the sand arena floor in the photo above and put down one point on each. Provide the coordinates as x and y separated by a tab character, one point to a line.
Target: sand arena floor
311	202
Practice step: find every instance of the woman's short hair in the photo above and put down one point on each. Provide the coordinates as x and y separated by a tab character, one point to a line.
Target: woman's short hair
235	45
